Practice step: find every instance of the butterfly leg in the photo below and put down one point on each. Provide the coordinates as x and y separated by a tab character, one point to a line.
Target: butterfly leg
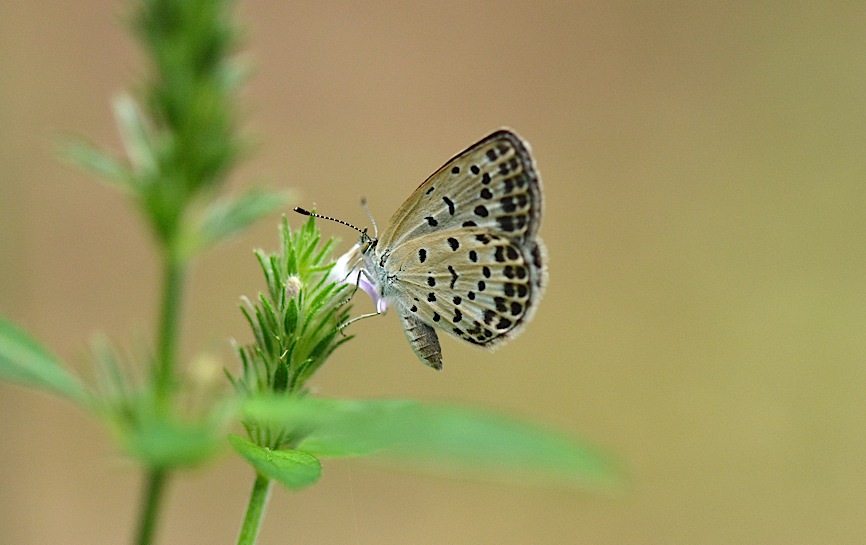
347	323
354	289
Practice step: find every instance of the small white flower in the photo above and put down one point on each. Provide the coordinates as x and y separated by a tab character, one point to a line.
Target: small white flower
293	287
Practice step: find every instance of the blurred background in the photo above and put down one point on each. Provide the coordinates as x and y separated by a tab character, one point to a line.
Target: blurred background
704	169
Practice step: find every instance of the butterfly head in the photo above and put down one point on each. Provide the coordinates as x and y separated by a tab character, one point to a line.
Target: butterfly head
367	243
352	262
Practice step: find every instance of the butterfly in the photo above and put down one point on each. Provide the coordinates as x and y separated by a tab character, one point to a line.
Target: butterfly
462	254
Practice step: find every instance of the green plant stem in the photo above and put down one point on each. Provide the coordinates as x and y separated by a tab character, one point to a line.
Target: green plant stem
150	506
172	287
173	280
255	510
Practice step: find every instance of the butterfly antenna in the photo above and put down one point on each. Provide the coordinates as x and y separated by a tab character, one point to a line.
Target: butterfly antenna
304	212
370	215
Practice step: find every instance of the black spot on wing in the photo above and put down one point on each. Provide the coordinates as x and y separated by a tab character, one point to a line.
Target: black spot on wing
454	276
450	204
506	223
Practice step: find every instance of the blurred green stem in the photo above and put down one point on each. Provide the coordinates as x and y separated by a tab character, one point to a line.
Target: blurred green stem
173	279
255	510
150	506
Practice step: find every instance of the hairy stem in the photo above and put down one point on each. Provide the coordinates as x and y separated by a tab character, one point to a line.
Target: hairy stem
255	510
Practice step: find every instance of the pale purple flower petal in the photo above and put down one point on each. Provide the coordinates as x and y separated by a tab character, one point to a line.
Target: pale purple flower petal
344	274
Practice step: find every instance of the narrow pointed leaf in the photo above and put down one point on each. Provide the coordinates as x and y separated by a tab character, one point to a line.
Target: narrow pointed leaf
281	377
24	361
137	135
295	469
111	170
229	217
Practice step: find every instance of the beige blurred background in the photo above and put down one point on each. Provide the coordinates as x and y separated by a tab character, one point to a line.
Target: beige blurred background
704	170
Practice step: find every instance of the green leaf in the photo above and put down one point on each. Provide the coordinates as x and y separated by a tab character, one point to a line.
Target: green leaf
168	443
87	156
24	361
295	469
281	377
228	217
436	437
138	137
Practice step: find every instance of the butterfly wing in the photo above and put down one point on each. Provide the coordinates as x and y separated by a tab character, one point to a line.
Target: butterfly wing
478	286
492	185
